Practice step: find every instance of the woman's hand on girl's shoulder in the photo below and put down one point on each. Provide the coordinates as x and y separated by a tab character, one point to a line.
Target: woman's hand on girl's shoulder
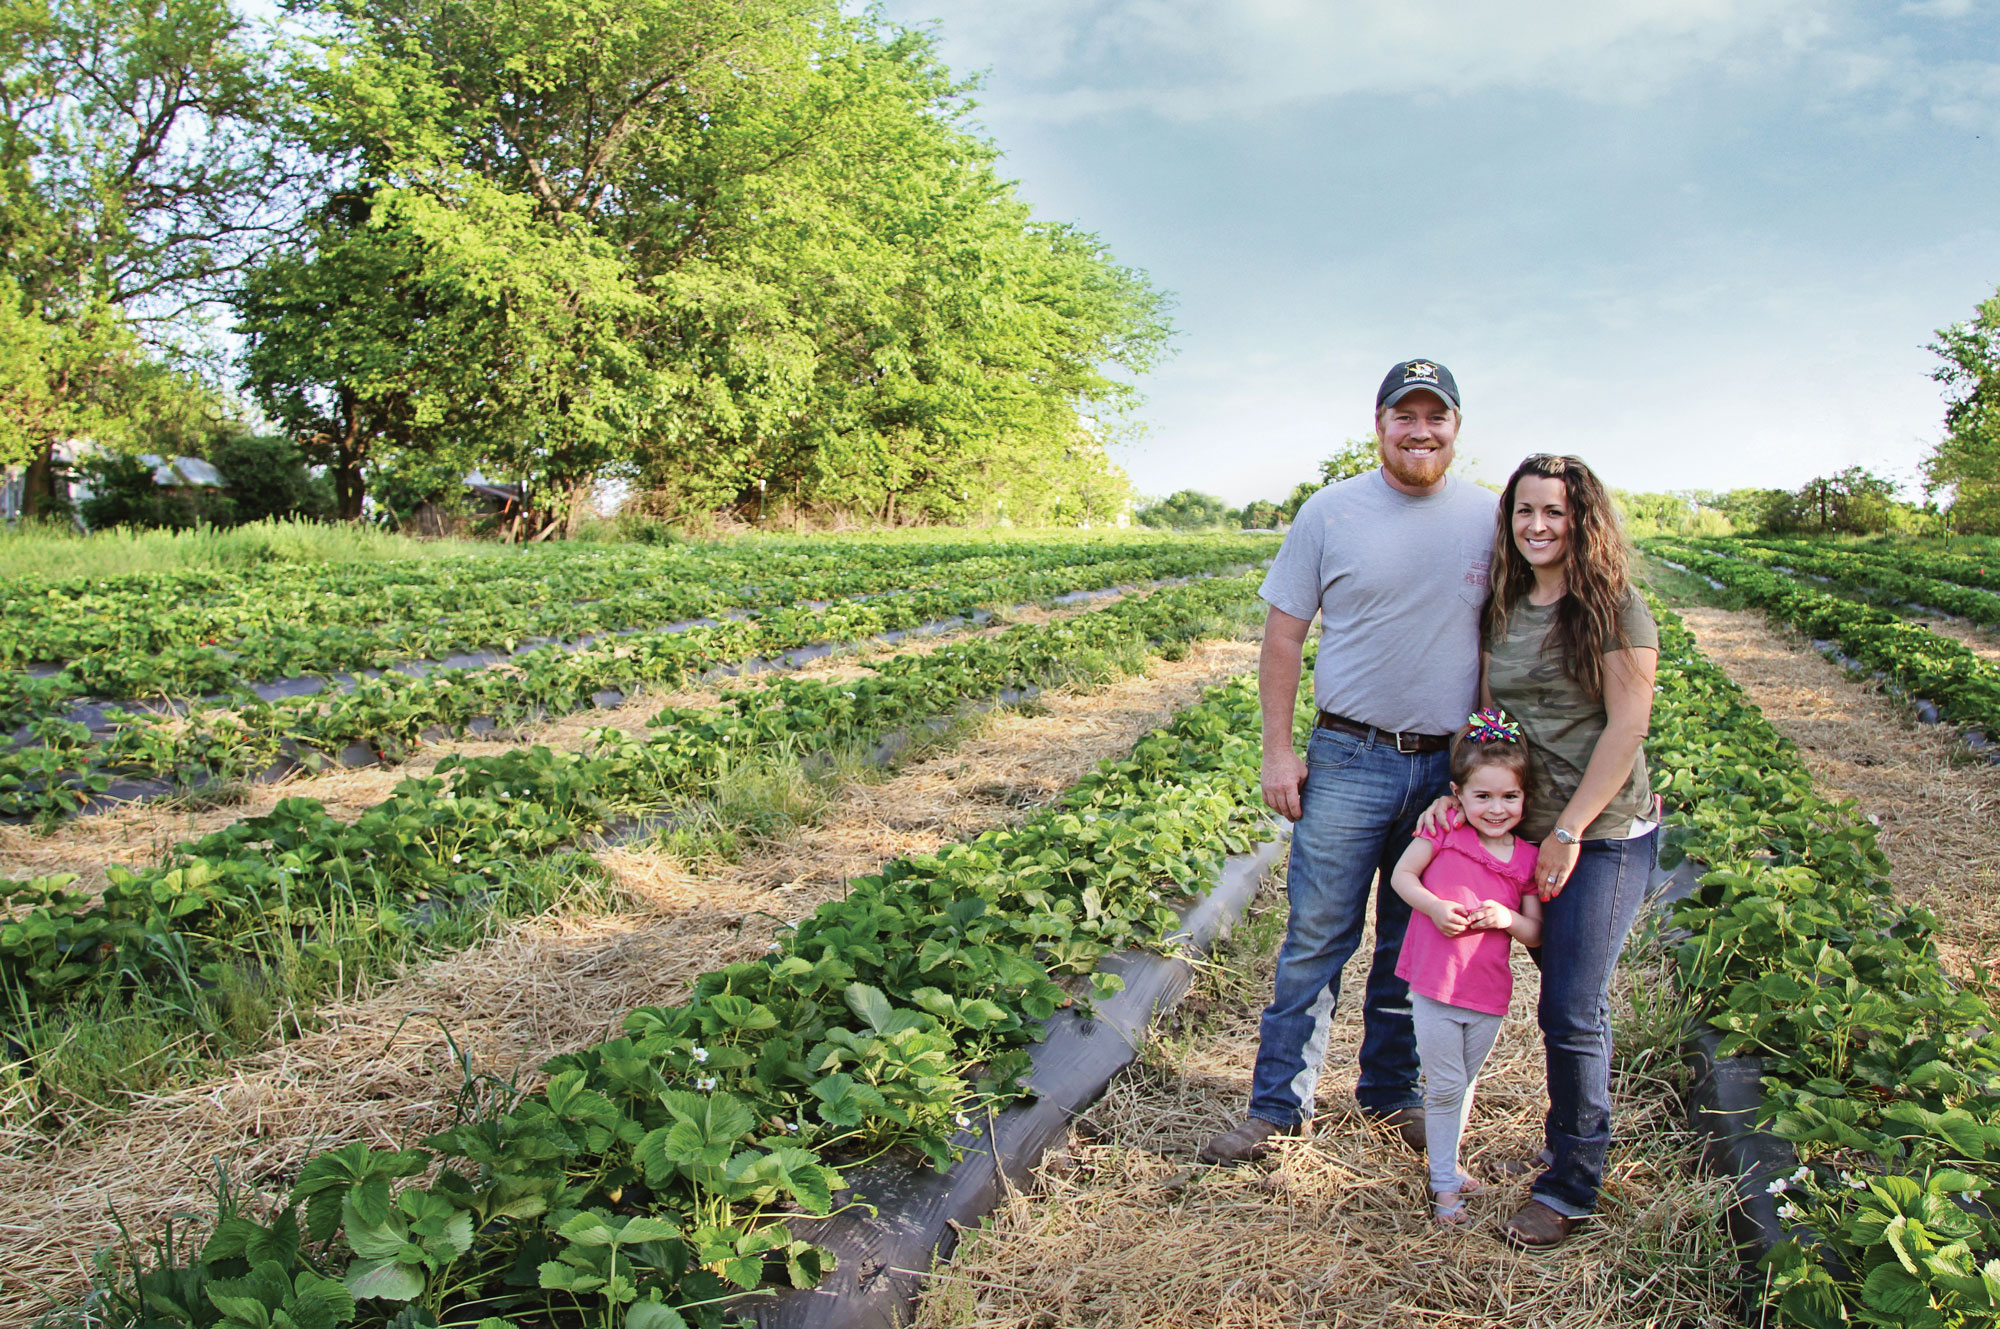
1439	817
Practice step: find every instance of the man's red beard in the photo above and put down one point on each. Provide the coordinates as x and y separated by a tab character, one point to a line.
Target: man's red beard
1417	474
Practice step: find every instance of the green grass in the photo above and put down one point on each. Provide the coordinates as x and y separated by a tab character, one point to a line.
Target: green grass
1681	589
54	551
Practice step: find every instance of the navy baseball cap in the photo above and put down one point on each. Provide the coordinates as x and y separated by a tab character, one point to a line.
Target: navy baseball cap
1411	375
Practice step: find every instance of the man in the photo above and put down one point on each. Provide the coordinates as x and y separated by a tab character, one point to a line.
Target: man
1394	562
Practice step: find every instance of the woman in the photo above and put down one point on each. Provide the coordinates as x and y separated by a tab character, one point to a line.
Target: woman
1569	650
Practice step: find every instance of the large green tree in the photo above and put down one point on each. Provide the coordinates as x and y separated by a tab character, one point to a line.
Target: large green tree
740	251
135	174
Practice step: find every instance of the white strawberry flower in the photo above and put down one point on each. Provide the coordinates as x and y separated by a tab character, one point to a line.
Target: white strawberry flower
1802	1176
701	1055
1777	1187
705	1083
1788	1212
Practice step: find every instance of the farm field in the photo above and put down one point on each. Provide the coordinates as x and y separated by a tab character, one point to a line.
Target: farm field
646	974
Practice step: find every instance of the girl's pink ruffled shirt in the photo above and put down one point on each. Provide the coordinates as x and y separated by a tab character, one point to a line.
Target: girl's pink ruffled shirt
1470	970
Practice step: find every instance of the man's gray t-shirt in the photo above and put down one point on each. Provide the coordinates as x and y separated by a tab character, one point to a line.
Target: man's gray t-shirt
1398	583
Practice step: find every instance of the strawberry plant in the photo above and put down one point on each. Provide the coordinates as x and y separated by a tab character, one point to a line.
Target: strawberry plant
1882	1073
656	1174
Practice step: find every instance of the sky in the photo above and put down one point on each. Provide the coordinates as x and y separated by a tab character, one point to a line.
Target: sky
1700	243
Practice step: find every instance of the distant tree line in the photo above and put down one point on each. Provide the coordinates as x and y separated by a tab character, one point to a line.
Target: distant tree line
1855	501
742	255
1190	510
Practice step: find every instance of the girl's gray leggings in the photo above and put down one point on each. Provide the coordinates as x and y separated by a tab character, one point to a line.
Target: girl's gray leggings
1453	1043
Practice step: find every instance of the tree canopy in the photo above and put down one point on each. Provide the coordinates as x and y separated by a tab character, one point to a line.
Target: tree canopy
1966	463
743	254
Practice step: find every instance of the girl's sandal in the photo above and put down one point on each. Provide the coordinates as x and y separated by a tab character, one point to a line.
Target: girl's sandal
1449	1206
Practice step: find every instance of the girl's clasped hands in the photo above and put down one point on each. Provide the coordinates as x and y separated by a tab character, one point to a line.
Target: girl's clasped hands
1455	919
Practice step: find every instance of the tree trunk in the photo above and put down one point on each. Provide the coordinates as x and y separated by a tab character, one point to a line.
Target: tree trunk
352	450
348	489
38	486
579	505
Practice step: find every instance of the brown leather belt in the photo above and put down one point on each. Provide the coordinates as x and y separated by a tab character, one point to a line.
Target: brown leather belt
1404	741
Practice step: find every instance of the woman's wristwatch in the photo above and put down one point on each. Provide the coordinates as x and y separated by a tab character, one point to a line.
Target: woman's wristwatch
1567	837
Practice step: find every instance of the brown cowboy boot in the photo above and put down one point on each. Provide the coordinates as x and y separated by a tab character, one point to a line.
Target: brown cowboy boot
1241	1144
1537	1227
1409	1124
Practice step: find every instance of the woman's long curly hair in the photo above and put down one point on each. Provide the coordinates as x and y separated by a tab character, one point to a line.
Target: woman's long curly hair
1597	575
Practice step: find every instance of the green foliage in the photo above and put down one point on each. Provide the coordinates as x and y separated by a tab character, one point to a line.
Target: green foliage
1187	510
663	1169
267	478
1967	460
1356	456
1883	1074
1687	514
56	555
1854	501
1295	500
119	643
744	255
1262	515
134	169
123	492
1905	579
299	891
1965	687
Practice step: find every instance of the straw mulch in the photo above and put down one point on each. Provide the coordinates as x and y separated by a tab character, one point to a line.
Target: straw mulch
137	833
385	1066
1125	1230
1937	804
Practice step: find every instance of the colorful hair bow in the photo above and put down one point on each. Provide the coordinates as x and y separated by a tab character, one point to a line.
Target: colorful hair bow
1492	726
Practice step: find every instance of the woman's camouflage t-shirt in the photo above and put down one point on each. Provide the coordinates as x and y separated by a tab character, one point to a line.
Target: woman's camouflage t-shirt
1561	721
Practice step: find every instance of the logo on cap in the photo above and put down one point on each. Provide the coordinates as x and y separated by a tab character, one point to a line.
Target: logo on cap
1420	371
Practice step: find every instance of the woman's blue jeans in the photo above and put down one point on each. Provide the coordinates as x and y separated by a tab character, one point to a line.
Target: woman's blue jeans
1359	809
1583	932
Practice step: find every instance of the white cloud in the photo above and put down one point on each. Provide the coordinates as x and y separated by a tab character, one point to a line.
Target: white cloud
1939	8
1194	59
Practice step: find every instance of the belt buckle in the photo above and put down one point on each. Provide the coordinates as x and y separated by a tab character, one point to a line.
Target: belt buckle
1399	743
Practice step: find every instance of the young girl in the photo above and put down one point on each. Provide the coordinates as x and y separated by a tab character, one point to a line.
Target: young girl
1468	888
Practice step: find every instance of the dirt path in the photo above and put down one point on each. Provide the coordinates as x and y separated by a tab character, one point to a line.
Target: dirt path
1937	805
383	1067
1127	1232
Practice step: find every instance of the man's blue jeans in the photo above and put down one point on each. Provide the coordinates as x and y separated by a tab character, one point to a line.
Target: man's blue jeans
1359	808
1583	932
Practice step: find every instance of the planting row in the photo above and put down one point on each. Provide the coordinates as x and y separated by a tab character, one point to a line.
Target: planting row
1962	569
657	1178
169	634
296	896
64	764
1882	1073
1872	578
1964	687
